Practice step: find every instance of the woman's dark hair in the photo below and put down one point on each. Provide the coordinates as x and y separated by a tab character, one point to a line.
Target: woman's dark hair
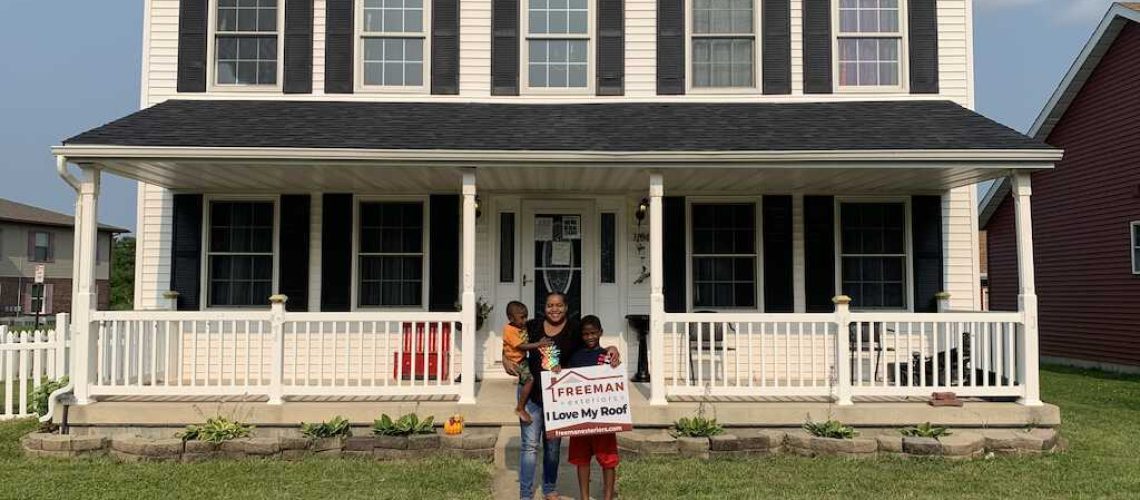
551	294
590	320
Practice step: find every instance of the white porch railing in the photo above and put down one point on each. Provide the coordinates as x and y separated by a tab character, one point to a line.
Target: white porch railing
275	354
28	359
845	354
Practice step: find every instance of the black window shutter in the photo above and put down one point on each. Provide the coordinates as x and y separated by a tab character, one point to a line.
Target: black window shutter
445	47
923	44
339	47
817	47
673	251
336	252
505	47
778	279
926	226
443	281
611	47
777	46
293	261
670	47
298	47
192	30
819	252
186	251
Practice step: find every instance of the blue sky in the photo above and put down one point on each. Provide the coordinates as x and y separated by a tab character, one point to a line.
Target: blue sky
82	70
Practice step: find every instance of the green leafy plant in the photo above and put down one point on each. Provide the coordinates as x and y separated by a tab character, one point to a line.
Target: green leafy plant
216	430
698	426
404	426
832	429
38	399
337	427
925	430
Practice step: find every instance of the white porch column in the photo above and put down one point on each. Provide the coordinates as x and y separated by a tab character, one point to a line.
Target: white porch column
86	298
656	293
1027	294
843	382
467	389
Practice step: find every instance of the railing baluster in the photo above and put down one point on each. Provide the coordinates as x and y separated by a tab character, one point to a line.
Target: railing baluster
1014	378
751	357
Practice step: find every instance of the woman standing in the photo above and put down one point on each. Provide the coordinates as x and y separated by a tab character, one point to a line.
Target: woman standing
566	338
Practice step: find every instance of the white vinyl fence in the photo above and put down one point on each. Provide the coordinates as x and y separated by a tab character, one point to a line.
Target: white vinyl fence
28	359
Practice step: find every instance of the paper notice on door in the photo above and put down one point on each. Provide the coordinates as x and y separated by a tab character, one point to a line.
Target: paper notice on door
561	253
543	229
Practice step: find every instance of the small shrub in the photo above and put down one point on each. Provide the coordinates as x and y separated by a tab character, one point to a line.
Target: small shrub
925	430
832	429
38	400
216	430
697	426
404	426
337	427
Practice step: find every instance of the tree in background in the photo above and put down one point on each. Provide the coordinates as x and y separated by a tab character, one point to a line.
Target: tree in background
123	274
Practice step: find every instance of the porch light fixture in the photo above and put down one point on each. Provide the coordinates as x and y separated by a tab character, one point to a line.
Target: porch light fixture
478	211
642	209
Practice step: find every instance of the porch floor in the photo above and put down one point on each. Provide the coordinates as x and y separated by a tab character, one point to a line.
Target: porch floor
496	403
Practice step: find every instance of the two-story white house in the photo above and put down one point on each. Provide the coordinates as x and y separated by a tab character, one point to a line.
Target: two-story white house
719	173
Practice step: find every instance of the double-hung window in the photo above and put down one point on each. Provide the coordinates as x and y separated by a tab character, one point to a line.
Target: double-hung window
558	44
391	253
724	255
394	36
873	254
40	246
246	37
723	37
870	43
1136	247
240	257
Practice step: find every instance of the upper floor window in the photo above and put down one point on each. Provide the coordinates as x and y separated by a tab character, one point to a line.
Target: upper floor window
723	37
870	43
394	36
558	44
40	246
873	254
246	35
1136	247
240	253
724	255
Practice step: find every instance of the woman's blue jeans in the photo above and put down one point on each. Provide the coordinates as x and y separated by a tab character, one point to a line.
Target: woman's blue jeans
528	455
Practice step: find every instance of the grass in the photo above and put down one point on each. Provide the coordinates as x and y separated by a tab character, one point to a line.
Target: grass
1101	415
1101	418
240	479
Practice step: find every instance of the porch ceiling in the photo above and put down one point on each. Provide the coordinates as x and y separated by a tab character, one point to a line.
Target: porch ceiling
227	176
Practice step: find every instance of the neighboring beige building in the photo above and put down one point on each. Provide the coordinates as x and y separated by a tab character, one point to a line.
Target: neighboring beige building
30	236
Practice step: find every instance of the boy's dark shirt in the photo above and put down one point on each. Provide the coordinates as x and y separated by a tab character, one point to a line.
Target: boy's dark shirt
569	341
588	357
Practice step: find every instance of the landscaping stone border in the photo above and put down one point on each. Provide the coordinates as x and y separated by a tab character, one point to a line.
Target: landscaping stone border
478	444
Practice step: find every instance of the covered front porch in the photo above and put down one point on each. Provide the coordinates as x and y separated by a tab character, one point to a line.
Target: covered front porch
299	274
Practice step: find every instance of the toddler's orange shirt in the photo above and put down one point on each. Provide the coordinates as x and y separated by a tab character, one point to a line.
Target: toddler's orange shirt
513	337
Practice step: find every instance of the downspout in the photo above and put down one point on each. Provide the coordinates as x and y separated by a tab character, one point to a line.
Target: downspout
71	180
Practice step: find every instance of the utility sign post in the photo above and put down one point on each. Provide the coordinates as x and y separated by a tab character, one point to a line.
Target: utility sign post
38	293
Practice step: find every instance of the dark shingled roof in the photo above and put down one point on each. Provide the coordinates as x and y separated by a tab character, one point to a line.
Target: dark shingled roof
11	211
608	127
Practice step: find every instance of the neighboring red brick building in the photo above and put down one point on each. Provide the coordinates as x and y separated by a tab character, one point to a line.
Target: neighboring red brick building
1086	212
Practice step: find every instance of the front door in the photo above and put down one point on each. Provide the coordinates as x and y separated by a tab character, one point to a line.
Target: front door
556	239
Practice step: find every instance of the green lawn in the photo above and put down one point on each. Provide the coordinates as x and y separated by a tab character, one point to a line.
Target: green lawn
244	479
1101	419
1101	415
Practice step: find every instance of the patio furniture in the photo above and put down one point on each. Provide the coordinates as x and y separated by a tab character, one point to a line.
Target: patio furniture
867	338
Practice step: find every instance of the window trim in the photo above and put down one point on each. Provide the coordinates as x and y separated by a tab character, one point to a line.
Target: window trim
358	45
904	54
908	247
50	258
355	294
590	37
757	53
212	62
204	278
758	206
1132	244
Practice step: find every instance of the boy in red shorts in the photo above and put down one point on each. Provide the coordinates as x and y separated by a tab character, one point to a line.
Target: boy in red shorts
602	446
